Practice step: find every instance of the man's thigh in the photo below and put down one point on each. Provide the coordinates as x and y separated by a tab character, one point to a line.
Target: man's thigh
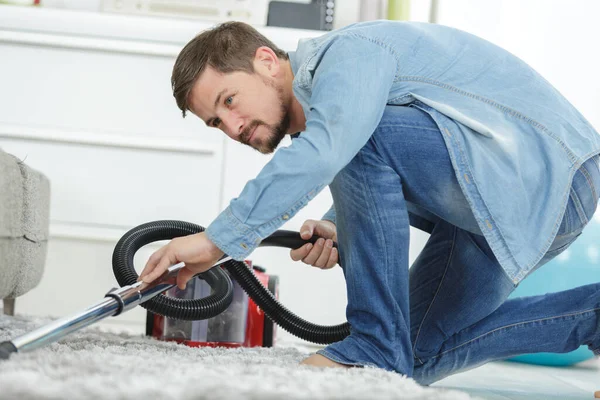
411	143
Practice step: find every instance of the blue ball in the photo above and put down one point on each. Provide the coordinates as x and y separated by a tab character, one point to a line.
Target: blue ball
577	266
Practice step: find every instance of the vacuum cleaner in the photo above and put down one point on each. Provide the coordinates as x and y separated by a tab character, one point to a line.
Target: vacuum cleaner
242	324
151	297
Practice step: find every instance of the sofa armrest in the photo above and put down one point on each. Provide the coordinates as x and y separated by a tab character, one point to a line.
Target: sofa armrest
24	226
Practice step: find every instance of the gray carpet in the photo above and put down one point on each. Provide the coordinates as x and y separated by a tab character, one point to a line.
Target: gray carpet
92	364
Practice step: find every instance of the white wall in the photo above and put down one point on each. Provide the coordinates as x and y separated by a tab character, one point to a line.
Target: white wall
346	13
559	38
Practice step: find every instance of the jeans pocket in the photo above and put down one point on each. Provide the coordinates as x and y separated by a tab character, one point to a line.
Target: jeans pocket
583	197
561	243
591	190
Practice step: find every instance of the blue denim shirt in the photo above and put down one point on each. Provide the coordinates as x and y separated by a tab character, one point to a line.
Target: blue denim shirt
515	142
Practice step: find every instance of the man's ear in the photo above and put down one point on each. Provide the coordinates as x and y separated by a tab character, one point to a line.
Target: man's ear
266	61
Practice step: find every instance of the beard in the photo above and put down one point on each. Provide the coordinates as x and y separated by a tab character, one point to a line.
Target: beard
276	132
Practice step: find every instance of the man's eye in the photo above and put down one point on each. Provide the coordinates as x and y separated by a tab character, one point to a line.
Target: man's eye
229	100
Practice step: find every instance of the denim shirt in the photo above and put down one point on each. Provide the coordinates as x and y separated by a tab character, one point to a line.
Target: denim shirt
514	141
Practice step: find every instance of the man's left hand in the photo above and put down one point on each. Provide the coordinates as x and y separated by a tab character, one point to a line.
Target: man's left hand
197	252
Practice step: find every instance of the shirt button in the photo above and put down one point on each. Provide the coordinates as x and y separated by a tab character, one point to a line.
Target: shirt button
487	222
447	132
467	178
285	217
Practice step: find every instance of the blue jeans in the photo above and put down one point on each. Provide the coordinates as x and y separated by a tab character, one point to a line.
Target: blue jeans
449	312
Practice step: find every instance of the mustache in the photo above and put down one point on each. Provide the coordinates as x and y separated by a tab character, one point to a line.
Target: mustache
247	132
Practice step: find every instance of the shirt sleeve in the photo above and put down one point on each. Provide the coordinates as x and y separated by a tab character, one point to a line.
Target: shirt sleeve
330	214
350	88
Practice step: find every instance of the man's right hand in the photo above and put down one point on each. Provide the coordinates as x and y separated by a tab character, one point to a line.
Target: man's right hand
322	254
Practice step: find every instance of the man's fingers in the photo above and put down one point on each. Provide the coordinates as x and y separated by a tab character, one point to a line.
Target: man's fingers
183	277
314	254
152	261
307	229
333	258
324	256
300	253
160	269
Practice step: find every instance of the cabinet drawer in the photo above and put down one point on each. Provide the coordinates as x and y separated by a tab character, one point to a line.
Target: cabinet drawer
120	185
93	90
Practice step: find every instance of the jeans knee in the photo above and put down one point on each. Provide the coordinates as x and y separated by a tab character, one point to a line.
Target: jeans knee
427	343
424	354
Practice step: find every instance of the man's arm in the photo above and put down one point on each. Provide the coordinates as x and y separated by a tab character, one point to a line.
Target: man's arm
350	89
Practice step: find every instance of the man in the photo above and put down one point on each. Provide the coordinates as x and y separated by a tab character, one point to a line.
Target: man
409	124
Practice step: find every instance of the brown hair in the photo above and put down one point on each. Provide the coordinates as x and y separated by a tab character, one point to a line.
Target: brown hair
228	47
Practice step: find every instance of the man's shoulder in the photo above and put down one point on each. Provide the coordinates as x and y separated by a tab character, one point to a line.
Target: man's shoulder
355	31
348	42
394	35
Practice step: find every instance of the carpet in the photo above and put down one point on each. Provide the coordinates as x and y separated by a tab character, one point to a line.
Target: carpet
95	364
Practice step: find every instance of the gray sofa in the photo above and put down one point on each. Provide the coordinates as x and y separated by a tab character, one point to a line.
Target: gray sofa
24	220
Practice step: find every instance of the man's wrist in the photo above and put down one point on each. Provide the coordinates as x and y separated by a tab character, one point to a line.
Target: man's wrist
214	250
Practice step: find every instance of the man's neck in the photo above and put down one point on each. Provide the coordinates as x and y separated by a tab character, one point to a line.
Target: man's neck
297	117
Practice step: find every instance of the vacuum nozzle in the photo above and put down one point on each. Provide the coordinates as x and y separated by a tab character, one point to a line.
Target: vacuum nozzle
6	349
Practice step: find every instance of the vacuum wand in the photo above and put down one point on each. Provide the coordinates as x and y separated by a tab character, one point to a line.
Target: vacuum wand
116	301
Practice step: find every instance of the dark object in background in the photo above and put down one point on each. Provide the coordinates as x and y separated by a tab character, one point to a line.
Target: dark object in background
317	15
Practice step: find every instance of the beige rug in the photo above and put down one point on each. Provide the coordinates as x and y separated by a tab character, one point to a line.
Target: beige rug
92	364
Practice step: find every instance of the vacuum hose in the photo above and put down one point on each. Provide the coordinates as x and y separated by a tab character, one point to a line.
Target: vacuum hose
219	281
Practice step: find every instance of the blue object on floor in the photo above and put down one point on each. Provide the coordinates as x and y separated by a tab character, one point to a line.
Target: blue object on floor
577	266
556	359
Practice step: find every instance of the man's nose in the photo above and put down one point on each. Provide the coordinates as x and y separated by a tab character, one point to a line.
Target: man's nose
234	126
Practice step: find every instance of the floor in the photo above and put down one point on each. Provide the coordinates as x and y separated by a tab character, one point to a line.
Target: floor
512	380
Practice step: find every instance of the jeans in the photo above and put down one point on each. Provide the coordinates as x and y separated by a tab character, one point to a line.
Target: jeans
449	312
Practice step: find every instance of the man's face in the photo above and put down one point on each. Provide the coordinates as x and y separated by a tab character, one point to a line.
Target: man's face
249	108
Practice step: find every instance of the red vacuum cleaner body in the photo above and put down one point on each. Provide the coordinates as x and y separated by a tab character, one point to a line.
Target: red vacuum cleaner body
242	324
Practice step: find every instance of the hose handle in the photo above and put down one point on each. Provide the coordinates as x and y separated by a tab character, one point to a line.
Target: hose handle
289	239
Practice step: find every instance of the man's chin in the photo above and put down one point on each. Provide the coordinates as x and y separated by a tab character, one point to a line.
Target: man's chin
267	148
263	149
